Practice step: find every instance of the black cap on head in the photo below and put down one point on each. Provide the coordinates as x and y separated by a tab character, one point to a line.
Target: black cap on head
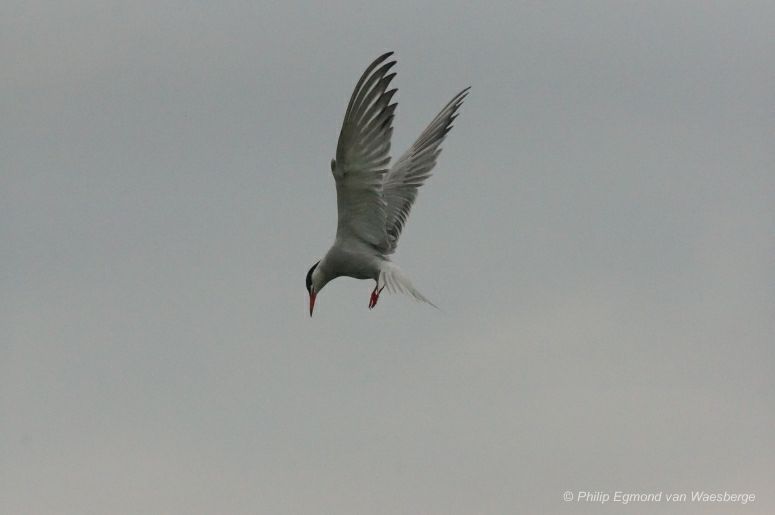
309	276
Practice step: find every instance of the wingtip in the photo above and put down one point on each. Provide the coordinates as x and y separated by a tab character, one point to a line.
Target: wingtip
384	56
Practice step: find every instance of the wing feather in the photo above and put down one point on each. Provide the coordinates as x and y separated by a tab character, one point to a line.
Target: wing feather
362	155
413	168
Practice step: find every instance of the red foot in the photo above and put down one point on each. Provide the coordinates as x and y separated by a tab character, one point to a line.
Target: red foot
375	297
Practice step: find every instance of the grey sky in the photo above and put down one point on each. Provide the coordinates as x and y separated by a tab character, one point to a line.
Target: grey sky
599	234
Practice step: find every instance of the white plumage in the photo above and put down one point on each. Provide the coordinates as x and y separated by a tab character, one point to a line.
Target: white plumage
374	201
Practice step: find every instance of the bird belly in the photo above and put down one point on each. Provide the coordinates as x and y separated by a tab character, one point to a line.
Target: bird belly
352	264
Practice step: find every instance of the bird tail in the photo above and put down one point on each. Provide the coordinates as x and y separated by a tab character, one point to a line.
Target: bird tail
396	281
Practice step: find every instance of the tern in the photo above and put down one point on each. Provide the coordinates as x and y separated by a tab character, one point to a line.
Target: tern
373	201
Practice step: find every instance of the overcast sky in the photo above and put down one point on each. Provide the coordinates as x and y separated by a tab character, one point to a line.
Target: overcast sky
599	235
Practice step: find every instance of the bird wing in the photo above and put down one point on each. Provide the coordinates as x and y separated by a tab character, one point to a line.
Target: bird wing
362	156
413	168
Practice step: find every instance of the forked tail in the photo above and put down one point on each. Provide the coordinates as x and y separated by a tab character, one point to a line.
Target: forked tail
391	277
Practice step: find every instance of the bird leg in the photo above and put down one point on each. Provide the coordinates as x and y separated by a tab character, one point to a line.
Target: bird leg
375	296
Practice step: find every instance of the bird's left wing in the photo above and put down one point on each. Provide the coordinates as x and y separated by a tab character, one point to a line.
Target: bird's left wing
362	156
414	167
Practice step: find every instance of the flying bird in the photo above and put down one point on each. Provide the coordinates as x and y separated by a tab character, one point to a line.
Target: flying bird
373	201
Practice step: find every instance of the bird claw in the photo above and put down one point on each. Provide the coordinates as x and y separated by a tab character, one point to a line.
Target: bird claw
374	297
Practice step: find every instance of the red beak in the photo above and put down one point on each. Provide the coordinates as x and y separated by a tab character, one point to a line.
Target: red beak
312	296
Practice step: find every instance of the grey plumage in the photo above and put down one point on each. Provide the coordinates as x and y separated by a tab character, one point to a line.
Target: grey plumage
370	196
374	201
413	168
362	155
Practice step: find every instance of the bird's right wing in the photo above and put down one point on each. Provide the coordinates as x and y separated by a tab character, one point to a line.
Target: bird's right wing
414	167
362	156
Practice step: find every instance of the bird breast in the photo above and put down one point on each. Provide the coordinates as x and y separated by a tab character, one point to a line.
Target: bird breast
357	263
